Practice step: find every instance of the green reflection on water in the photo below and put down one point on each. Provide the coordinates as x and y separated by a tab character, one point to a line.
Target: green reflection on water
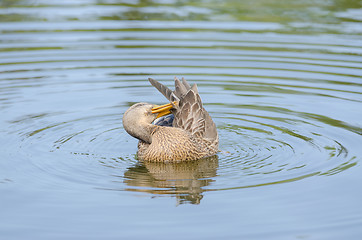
213	10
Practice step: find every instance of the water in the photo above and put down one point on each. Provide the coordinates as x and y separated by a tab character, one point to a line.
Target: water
282	82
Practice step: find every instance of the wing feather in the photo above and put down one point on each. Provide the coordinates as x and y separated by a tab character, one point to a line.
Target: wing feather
180	88
168	93
185	83
190	114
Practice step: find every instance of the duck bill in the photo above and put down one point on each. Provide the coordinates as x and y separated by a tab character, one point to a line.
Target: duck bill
163	110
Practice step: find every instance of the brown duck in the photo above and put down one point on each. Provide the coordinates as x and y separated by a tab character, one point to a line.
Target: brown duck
188	134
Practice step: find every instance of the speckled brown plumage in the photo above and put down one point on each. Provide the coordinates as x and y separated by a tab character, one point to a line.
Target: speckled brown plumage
192	136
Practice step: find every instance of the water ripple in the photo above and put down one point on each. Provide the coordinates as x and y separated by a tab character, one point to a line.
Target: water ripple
285	102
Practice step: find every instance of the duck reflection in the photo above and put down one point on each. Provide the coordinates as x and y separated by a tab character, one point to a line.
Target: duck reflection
184	180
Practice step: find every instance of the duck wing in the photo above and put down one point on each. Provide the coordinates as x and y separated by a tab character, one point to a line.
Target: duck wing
168	93
190	114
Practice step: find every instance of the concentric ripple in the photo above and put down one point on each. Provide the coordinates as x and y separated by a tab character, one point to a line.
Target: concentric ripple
281	79
282	149
286	102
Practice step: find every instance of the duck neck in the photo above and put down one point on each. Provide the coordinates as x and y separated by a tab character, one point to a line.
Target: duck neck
144	132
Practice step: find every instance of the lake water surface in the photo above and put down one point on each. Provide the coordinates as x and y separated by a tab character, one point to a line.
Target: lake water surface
281	79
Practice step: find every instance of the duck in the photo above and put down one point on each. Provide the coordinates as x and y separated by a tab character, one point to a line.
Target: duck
181	130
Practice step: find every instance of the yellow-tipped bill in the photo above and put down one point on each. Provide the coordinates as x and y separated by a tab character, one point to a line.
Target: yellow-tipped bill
163	109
